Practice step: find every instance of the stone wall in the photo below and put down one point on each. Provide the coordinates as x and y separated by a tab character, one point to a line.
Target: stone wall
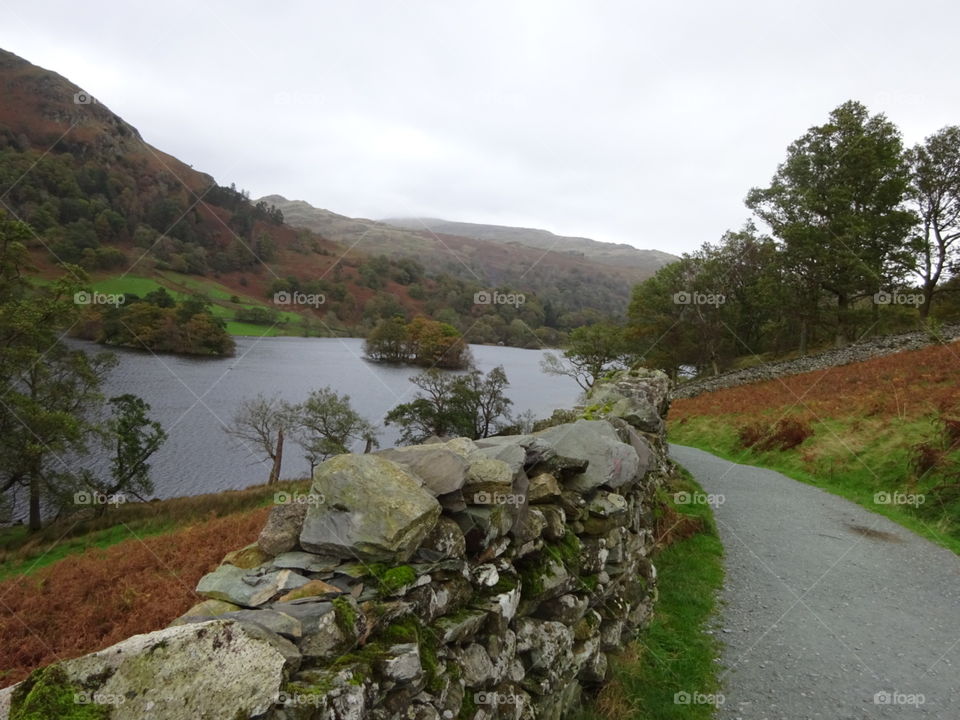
470	579
856	352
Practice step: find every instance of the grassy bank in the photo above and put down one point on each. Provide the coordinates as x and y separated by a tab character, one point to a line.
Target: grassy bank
674	655
884	433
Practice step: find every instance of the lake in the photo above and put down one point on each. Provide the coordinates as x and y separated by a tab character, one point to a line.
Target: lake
195	398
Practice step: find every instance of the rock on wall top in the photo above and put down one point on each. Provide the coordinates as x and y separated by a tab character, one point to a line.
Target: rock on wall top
455	579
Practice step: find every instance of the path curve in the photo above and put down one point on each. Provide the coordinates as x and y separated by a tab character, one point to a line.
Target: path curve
825	604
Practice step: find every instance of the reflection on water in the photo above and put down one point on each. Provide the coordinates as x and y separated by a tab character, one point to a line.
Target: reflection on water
194	398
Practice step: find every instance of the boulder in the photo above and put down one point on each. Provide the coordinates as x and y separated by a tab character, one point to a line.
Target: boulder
442	470
374	510
282	531
216	669
610	462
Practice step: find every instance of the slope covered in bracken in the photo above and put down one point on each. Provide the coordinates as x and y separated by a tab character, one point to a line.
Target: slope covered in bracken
87	602
906	384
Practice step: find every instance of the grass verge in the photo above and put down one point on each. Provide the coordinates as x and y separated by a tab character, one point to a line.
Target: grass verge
854	458
674	655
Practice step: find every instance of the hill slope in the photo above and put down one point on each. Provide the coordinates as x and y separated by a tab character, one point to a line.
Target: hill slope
571	273
618	254
96	194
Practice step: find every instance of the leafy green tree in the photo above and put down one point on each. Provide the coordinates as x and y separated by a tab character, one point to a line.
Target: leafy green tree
591	351
470	405
50	392
327	425
836	204
133	438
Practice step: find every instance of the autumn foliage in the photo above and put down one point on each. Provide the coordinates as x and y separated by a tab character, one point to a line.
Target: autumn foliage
88	602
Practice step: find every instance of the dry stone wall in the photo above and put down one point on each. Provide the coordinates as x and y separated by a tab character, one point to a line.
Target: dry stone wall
458	579
853	353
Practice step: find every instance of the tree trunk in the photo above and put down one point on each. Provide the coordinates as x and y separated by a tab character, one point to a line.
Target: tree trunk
842	307
803	336
277	459
36	522
928	288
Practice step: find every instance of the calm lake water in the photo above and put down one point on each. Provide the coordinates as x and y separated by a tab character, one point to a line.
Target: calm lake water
194	398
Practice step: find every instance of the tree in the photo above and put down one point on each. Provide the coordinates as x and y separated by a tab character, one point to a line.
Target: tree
935	194
50	393
836	204
135	438
470	405
262	422
327	425
592	350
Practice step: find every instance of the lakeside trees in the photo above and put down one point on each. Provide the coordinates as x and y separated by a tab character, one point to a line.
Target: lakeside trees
863	238
471	405
51	412
324	425
419	342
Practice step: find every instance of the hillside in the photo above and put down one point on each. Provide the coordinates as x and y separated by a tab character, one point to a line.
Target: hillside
97	195
618	254
571	273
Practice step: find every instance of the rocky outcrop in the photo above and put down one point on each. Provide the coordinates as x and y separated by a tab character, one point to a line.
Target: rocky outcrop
461	579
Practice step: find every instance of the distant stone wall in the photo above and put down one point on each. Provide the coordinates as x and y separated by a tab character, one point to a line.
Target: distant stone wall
458	579
857	352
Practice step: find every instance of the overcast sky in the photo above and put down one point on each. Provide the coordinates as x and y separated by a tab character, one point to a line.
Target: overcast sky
635	122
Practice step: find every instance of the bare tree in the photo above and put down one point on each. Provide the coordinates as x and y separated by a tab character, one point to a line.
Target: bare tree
935	195
262	422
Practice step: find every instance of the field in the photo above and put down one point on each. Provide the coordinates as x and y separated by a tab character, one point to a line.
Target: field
884	433
182	286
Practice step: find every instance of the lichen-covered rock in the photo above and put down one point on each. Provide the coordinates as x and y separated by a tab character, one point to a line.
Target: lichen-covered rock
444	541
205	609
217	669
373	510
442	470
611	463
247	558
282	530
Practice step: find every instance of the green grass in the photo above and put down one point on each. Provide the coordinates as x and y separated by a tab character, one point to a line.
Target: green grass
674	654
854	458
182	286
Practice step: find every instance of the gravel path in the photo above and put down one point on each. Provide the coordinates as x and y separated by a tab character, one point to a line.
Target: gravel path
826	604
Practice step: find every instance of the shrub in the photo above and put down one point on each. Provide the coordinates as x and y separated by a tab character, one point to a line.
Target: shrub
786	434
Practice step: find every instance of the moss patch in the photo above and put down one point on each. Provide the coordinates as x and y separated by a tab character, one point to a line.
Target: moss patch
48	694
